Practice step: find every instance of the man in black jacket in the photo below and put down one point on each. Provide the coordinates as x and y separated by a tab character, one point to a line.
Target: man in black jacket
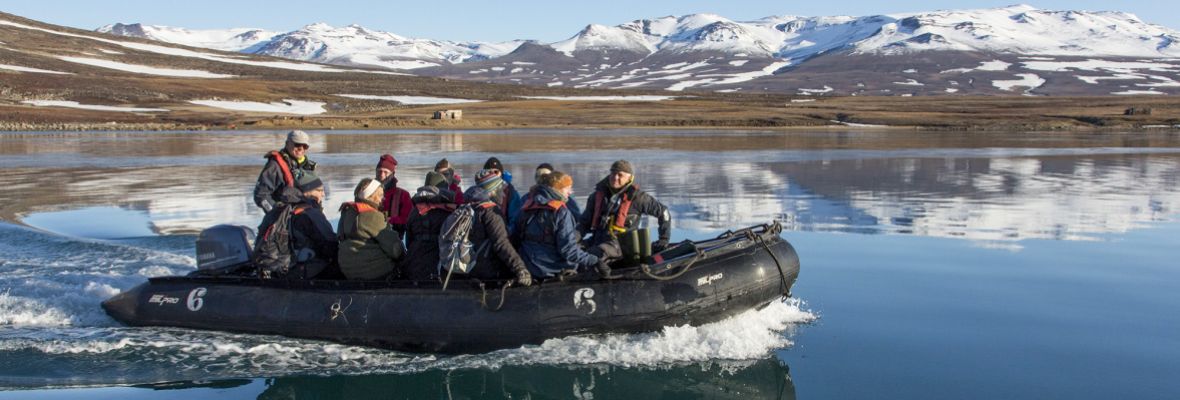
495	258
616	206
313	243
283	168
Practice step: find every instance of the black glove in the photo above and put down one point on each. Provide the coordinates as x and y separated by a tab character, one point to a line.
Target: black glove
659	245
523	277
610	250
603	268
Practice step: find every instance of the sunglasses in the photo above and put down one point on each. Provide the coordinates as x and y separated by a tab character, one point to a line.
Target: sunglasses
301	146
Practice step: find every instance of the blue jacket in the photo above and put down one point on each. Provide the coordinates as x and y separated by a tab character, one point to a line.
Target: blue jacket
548	236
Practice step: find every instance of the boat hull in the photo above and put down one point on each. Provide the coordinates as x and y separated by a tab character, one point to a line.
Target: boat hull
466	318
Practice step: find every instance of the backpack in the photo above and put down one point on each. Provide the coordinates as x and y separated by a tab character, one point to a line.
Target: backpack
273	247
454	242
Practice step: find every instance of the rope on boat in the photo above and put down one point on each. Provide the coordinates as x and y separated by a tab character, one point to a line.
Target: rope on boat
336	311
483	300
782	276
647	270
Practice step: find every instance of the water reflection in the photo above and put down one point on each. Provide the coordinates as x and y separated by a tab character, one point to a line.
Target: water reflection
764	379
993	188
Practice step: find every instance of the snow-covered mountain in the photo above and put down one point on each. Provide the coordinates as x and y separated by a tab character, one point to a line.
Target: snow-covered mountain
236	39
710	52
352	45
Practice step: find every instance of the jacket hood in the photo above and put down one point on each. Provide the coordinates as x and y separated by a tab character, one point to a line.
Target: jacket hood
476	194
432	194
545	194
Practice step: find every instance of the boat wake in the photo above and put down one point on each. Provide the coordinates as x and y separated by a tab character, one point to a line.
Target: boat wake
54	332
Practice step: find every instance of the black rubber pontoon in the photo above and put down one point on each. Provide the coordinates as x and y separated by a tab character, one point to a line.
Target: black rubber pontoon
719	278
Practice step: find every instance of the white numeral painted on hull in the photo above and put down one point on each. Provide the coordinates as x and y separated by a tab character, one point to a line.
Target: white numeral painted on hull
195	300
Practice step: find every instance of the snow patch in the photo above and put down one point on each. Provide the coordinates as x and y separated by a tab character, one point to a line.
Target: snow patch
27	69
809	92
738	63
144	69
1031	81
994	65
910	82
284	107
1139	92
410	99
600	98
74	104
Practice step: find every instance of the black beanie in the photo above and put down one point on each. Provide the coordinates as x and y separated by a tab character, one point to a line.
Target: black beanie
493	163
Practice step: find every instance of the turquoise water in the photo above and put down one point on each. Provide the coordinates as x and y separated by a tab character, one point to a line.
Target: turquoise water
934	265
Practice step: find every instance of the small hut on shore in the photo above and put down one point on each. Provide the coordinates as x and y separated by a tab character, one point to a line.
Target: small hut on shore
448	114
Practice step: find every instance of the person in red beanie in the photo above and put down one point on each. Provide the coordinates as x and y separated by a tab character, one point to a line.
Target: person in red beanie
396	205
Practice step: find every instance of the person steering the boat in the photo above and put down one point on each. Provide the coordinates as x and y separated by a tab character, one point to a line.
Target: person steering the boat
283	168
547	234
617	205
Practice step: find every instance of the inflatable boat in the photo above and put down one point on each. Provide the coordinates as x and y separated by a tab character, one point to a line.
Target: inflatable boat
692	283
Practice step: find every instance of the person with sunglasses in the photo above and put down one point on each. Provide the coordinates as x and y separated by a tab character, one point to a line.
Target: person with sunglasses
283	168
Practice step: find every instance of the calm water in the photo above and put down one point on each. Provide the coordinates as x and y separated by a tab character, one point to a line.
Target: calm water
935	265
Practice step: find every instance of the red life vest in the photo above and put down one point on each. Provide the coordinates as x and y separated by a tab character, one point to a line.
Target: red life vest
620	220
282	162
424	208
358	206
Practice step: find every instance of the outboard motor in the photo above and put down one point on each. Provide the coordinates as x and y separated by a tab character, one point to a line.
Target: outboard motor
224	249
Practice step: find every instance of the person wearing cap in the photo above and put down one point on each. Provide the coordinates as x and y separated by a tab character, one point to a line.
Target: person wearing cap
505	195
313	243
495	257
369	248
283	168
433	203
396	204
617	204
547	232
444	167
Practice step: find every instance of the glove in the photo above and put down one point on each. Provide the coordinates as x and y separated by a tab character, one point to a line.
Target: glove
523	277
610	250
568	272
659	245
603	268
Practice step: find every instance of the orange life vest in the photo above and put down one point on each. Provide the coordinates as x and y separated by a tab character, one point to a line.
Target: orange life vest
282	161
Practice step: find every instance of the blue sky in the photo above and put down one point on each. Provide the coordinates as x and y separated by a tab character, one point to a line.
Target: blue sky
460	20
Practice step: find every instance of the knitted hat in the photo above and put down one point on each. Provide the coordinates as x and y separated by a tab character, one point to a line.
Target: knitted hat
558	180
308	182
621	165
442	164
493	163
387	161
437	180
489	179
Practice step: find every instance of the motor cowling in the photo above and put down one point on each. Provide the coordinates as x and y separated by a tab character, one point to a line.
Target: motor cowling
224	248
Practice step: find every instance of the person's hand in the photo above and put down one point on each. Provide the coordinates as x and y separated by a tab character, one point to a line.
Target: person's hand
523	277
610	250
659	245
568	272
603	269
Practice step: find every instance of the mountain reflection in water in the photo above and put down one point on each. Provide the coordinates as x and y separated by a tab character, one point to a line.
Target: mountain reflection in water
992	188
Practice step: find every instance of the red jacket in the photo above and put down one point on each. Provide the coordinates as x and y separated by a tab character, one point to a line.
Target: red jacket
396	205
